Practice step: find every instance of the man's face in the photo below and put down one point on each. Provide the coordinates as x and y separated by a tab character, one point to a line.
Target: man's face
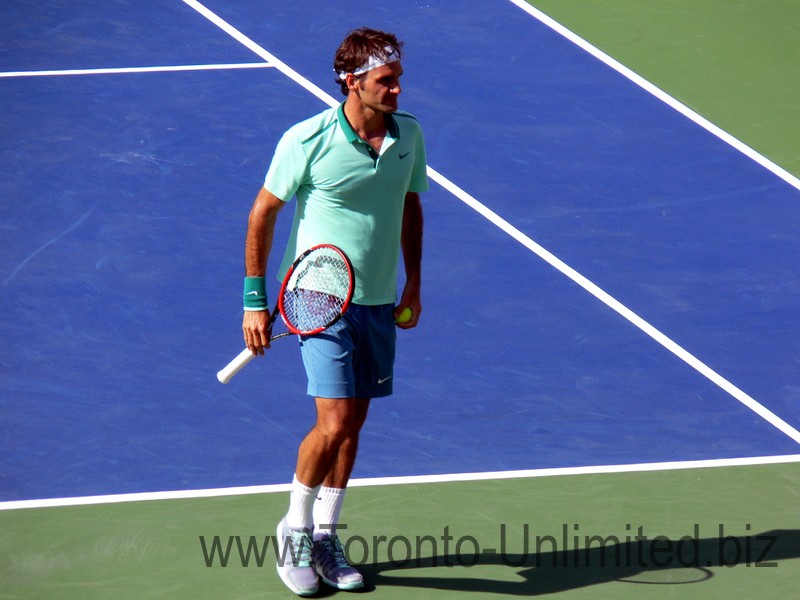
379	88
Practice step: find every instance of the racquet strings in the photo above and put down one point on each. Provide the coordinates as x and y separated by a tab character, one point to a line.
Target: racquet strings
316	291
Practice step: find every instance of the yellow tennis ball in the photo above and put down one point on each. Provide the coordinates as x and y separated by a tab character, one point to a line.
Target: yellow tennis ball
405	315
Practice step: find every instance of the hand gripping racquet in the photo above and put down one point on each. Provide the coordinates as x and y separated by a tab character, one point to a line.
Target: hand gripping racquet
315	293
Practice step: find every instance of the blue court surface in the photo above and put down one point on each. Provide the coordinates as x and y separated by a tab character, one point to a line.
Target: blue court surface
125	195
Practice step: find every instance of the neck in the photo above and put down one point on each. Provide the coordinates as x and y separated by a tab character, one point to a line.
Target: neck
366	122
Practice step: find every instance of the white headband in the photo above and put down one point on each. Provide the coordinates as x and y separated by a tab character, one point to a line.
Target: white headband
390	55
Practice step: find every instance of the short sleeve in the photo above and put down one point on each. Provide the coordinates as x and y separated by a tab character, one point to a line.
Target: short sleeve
288	168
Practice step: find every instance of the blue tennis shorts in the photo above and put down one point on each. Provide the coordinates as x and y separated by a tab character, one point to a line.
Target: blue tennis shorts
354	358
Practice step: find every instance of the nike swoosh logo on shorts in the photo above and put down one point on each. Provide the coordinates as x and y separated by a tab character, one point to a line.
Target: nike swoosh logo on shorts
384	379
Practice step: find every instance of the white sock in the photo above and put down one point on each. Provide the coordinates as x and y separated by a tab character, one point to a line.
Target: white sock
326	511
301	506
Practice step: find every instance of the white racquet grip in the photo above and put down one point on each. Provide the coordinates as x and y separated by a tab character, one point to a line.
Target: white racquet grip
236	365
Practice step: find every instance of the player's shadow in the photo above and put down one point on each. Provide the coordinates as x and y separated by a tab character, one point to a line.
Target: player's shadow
657	561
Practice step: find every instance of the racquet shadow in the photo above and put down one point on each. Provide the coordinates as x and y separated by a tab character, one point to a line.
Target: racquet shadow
661	561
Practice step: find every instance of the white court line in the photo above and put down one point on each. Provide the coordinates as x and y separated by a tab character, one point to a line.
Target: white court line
116	70
620	309
411	480
545	255
659	93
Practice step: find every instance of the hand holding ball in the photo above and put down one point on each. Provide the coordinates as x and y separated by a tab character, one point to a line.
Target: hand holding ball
404	316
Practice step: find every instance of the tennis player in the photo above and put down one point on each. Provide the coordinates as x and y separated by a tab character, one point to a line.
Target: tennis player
356	171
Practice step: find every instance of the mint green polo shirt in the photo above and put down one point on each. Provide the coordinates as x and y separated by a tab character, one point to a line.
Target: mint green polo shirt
348	195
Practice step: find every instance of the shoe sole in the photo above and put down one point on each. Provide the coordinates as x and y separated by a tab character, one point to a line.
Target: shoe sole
345	587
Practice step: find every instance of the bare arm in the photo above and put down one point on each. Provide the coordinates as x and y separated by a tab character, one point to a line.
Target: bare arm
411	245
260	232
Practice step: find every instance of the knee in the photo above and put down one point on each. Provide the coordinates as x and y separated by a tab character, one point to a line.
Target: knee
338	430
340	420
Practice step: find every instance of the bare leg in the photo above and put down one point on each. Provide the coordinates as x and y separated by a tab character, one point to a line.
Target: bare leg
328	452
339	474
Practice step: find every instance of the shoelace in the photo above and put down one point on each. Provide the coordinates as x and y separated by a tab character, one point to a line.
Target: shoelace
335	551
301	548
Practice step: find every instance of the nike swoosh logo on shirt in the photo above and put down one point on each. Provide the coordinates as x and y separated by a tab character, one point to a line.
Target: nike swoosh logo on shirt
402	156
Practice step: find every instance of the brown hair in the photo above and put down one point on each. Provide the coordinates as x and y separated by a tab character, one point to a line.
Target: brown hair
357	47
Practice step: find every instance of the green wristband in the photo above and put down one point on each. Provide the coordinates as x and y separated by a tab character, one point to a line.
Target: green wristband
255	294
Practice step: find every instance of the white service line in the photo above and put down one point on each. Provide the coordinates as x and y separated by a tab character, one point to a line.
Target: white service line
658	93
409	480
545	255
116	70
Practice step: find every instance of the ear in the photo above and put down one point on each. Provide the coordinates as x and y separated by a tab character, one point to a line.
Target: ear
351	81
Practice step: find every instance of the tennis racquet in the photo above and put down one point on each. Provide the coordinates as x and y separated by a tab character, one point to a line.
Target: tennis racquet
315	293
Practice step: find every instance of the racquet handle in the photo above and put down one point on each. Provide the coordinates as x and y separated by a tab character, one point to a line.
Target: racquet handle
244	357
236	365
